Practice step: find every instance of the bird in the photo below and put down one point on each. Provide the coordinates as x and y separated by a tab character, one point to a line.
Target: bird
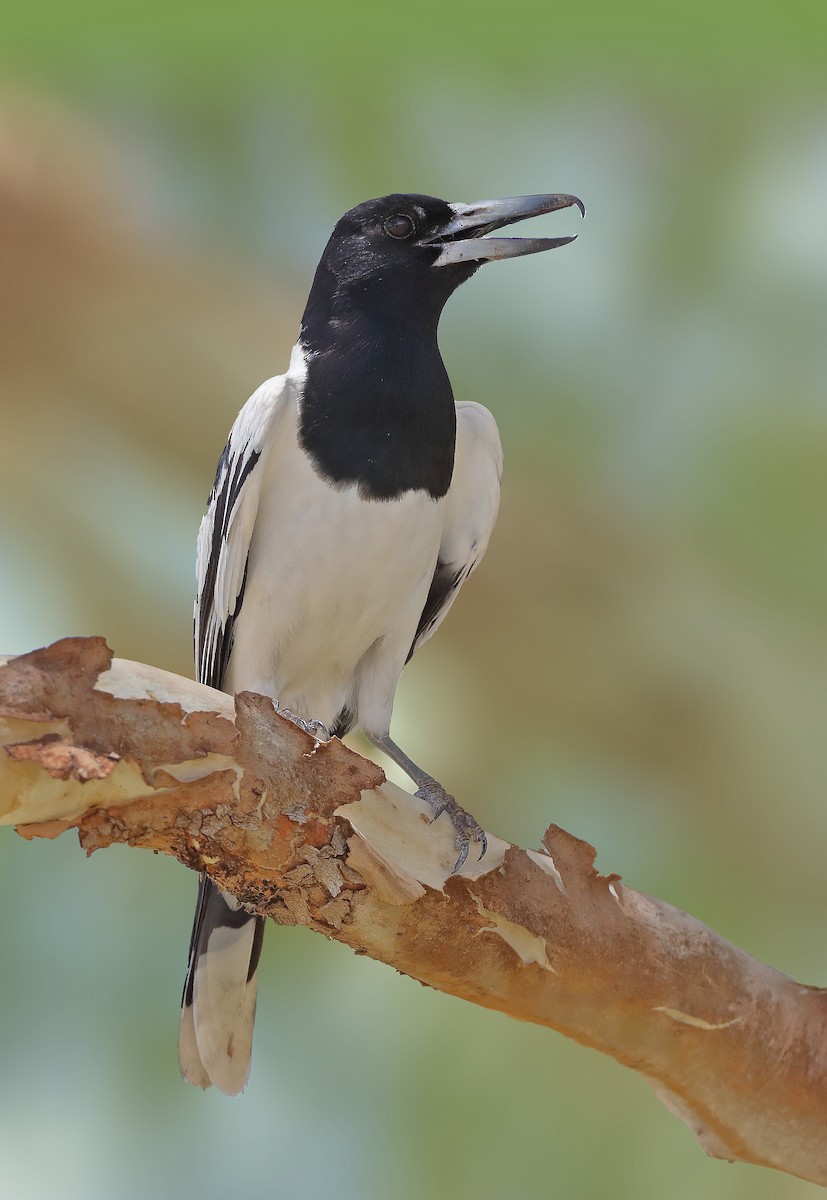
351	502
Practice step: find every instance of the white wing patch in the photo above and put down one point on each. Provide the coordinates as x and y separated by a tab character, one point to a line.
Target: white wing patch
227	527
471	508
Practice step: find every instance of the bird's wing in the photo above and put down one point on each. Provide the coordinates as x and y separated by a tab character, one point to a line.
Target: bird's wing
470	512
216	1030
227	527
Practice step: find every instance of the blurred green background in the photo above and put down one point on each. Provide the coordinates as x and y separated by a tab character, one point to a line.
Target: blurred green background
642	657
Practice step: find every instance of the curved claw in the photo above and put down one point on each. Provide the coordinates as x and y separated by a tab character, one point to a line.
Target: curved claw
465	827
461	857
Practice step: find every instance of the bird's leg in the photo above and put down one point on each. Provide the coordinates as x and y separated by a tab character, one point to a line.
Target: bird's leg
428	789
315	728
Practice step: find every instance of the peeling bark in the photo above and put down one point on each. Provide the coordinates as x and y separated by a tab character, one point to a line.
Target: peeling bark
313	834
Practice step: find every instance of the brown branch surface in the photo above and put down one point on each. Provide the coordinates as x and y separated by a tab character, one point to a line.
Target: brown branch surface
313	834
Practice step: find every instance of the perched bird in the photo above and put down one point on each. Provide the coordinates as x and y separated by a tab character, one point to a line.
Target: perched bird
353	499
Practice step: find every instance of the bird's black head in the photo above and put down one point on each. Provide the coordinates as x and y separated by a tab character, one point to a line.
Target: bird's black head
377	409
406	254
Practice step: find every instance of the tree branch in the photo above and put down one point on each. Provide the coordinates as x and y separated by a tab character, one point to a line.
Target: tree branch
313	834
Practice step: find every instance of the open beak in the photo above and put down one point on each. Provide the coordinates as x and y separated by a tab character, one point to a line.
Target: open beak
464	238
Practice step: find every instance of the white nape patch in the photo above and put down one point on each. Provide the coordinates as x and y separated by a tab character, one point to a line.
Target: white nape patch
530	947
614	892
546	862
298	363
697	1022
126	680
198	768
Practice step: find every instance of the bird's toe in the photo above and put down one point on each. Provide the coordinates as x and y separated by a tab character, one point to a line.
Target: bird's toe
466	828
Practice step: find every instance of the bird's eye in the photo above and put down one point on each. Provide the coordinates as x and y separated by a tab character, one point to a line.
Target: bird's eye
399	226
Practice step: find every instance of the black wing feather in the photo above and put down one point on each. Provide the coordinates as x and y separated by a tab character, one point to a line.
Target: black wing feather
230	476
448	579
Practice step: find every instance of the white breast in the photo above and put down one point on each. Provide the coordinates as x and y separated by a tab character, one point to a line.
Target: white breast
335	588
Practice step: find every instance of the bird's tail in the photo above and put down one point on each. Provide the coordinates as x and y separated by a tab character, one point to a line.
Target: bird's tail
215	1038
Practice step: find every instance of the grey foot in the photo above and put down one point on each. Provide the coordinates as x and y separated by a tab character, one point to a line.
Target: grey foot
315	728
466	828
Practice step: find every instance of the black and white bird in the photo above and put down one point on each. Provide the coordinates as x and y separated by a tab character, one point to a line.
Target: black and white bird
353	499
